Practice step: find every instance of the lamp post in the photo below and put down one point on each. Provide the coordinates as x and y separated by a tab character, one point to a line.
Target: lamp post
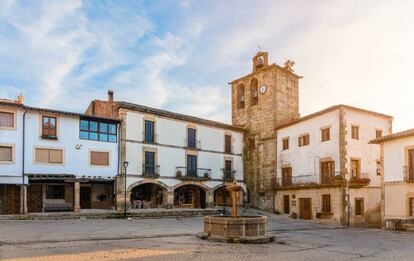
224	195
125	163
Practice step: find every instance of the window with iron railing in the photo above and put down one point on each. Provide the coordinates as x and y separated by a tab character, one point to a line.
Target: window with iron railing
149	167
286	176
192	165
327	169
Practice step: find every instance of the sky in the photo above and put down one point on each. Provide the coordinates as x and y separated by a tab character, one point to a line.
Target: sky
180	55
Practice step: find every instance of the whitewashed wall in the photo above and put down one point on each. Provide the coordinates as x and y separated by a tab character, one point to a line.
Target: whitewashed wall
368	153
12	173
174	133
394	158
75	161
305	160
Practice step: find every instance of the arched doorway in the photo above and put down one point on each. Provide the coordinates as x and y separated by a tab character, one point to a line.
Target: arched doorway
222	195
190	196
147	195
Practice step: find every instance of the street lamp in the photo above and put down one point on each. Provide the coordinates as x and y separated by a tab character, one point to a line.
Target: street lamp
125	163
225	194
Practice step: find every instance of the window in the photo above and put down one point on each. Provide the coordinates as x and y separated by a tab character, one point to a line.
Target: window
228	170
286	204
191	138
326	203
355	168
411	206
192	165
97	131
378	134
355	132
254	92
227	144
149	167
285	143
99	158
149	131
6	154
6	119
240	96
49	156
326	134
327	171
303	140
49	127
359	206
55	192
286	176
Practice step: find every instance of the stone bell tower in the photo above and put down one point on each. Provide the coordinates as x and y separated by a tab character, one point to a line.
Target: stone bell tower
262	100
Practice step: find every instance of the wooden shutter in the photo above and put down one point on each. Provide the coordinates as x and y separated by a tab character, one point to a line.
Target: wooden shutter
326	203
227	141
42	155
7	119
326	134
355	132
56	156
359	207
6	153
99	158
411	206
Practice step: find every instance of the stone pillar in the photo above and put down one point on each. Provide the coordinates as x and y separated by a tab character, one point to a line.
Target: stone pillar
76	196
120	194
209	199
23	199
43	197
168	199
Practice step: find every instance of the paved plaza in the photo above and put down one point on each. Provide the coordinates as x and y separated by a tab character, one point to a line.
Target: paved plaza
175	239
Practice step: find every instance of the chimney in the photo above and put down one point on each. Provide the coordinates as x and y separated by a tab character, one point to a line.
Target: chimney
110	96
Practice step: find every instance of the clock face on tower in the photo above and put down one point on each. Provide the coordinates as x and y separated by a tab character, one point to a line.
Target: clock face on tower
263	89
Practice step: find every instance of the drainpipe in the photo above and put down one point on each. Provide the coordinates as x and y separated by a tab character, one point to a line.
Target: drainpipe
23	145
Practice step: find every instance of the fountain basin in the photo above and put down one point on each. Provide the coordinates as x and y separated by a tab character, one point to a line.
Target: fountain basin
240	229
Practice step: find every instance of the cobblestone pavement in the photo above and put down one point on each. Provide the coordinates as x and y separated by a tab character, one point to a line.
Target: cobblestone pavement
172	239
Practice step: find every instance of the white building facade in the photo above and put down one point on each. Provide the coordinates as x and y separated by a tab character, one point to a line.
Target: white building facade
55	161
326	168
175	160
397	157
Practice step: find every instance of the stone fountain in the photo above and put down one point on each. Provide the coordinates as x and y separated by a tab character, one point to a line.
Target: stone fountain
236	228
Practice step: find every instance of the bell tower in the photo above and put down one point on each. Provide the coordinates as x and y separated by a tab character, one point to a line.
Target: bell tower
261	100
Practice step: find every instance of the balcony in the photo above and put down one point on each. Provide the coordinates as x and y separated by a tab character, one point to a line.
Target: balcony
408	174
150	171
195	144
185	174
228	175
358	179
309	180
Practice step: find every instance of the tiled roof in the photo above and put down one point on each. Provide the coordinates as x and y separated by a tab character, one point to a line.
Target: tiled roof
327	110
31	108
394	136
174	115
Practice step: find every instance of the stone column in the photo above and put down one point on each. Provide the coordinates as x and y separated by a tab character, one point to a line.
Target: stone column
23	199
209	199
76	196
120	194
168	199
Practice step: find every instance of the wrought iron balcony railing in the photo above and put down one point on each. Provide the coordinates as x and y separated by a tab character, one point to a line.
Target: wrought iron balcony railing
358	179
149	138
408	174
195	144
228	175
185	173
309	180
150	171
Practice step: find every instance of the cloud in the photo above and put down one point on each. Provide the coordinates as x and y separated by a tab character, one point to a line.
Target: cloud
181	55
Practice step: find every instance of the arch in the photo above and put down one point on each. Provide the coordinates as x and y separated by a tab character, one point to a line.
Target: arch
240	96
144	181
221	195
148	194
190	195
201	185
254	92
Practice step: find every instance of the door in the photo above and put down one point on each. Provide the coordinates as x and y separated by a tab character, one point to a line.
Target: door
34	198
305	208
411	165
228	170
286	204
202	199
13	199
85	197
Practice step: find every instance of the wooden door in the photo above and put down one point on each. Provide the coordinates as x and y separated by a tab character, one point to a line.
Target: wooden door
286	204
411	165
13	199
34	198
305	208
85	197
